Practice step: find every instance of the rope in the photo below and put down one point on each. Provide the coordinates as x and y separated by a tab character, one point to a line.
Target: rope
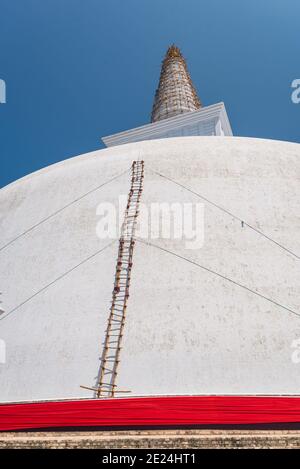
61	209
227	212
56	280
219	275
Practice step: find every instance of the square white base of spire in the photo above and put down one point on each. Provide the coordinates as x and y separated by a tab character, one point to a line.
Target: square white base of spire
207	121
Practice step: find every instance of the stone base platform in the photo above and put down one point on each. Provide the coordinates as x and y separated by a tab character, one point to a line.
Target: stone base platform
152	439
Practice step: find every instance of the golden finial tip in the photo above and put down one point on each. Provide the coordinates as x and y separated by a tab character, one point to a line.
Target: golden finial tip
173	51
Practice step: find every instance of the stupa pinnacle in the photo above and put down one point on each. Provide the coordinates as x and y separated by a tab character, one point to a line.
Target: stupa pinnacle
174	100
175	93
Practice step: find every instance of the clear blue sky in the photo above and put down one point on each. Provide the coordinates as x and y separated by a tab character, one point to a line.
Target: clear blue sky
76	70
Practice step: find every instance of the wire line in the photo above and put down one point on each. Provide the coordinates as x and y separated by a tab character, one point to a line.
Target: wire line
58	278
228	213
61	209
219	275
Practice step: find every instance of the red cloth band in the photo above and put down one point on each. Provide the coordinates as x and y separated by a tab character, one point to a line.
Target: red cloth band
168	411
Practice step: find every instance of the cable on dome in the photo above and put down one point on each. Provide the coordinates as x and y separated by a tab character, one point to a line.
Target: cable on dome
57	279
243	222
62	208
219	275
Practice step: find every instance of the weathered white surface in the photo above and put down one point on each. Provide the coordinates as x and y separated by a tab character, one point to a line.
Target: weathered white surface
187	331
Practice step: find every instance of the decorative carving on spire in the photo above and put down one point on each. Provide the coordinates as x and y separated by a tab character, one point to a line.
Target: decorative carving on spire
175	93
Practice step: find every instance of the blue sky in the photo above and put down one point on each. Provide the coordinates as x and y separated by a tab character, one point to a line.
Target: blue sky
76	70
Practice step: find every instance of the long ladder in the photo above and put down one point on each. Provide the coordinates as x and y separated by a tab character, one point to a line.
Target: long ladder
116	321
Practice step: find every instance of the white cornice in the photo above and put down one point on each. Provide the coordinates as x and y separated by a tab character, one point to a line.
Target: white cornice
190	123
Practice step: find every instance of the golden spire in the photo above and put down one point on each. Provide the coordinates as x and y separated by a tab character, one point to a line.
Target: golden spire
175	93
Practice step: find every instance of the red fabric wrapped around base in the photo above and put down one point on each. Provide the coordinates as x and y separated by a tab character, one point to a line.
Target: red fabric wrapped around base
170	411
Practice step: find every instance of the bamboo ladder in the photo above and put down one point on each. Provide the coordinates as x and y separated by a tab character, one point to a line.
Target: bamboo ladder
116	321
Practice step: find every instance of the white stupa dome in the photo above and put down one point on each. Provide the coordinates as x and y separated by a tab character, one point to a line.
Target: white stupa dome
188	329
